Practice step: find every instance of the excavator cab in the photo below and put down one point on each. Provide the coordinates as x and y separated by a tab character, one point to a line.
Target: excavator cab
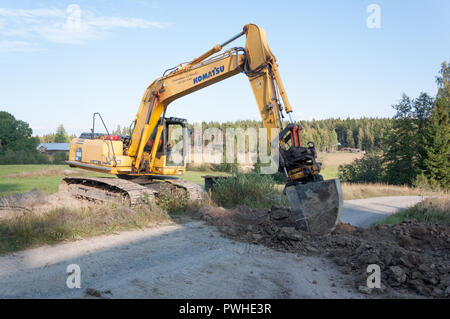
170	156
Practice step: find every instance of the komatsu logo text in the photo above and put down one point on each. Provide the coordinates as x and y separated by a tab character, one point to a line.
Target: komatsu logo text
209	74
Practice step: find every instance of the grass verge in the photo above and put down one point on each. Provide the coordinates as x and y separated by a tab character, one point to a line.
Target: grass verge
431	210
251	189
31	229
66	224
362	190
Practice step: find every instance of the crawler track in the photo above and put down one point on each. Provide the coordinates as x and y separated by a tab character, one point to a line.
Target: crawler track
119	190
196	192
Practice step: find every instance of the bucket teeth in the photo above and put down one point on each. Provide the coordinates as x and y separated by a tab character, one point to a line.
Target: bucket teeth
316	206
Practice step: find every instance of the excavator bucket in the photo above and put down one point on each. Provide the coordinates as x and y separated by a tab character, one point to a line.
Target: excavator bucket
316	206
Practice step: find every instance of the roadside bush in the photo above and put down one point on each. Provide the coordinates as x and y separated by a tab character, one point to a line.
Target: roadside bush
171	199
426	183
251	189
278	177
60	158
368	169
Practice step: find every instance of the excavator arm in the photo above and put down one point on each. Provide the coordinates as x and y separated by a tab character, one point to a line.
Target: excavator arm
255	60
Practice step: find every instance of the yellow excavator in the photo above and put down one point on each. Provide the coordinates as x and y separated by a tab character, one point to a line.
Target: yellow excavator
142	159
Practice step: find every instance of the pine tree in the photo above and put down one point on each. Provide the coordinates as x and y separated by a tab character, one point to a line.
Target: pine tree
61	135
437	164
334	140
359	138
349	138
405	142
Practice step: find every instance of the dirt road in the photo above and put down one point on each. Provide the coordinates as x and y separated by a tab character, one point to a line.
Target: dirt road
190	260
181	261
365	212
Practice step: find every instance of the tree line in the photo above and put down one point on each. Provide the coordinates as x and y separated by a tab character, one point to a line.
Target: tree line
60	136
363	133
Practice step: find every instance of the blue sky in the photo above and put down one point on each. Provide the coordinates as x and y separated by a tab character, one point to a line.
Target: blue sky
331	63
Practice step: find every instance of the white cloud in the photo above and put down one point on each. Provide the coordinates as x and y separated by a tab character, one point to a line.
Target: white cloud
114	22
145	3
18	46
32	13
21	29
19	32
60	33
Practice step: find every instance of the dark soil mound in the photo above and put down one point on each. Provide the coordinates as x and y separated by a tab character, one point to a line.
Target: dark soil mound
413	257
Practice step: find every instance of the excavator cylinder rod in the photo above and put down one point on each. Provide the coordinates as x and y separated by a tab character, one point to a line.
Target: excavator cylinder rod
232	39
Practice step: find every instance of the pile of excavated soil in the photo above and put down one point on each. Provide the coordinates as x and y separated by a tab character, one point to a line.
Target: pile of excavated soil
413	257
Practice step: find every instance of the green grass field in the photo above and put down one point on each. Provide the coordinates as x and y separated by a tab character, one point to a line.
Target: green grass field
196	176
331	161
24	178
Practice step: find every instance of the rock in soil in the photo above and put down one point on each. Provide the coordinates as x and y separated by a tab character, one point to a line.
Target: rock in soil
412	256
93	292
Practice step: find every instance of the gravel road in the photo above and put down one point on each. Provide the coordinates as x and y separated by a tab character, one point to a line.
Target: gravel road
189	260
365	212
